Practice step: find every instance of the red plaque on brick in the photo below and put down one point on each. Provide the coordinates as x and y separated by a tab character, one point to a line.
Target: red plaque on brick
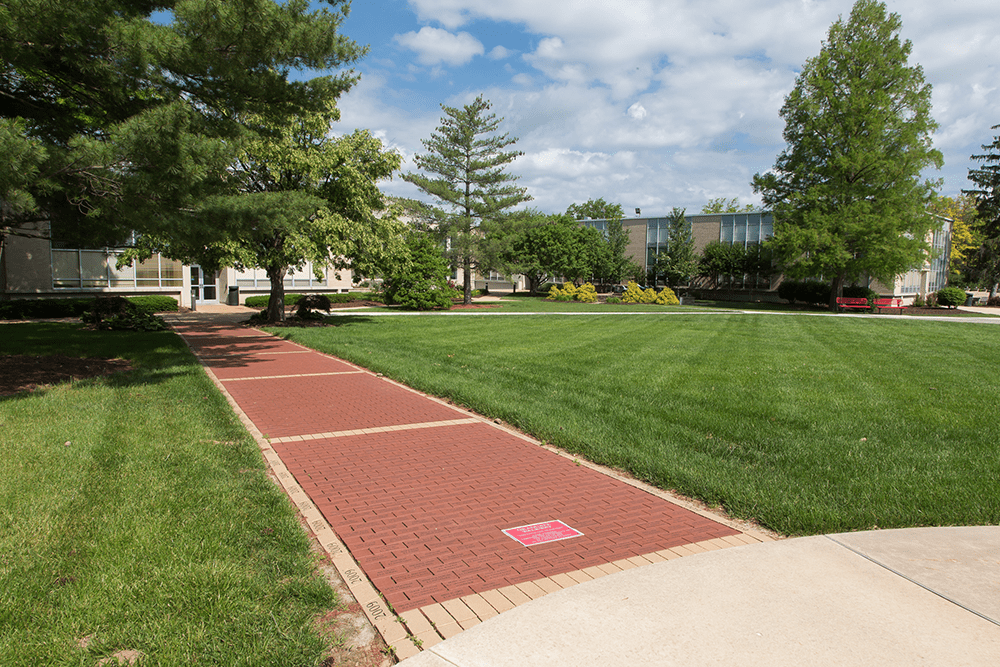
540	533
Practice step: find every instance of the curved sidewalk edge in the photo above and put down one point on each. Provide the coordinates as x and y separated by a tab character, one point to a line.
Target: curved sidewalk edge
893	597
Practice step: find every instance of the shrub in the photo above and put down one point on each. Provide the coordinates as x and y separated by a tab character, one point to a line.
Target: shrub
311	302
115	313
563	292
613	300
155	303
789	290
586	293
648	296
859	292
667	297
421	283
260	301
993	301
918	301
951	296
20	309
632	293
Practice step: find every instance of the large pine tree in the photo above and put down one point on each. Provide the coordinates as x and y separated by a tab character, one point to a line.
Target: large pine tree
131	111
985	262
465	172
847	193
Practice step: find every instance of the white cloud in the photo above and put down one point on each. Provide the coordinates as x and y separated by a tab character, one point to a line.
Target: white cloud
499	53
701	83
435	46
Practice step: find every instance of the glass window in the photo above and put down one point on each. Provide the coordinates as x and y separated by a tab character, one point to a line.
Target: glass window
147	273
65	268
93	268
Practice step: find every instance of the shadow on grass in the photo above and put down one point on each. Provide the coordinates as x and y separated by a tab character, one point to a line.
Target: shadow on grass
156	356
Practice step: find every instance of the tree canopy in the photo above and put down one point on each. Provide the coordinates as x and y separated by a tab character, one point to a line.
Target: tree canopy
596	209
129	112
303	196
847	194
965	235
464	170
723	205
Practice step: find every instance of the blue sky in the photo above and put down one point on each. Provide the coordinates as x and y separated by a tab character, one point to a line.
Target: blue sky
648	103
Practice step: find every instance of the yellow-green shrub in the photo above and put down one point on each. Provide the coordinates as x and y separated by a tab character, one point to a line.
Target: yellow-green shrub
667	298
586	293
632	293
566	293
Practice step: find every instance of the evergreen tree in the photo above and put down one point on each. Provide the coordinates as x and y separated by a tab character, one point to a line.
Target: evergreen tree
847	193
140	119
465	166
677	262
986	261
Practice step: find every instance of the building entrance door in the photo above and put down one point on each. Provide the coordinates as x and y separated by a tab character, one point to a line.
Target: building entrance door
203	286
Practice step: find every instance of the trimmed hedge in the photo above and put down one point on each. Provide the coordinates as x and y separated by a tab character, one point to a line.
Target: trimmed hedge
260	301
951	296
155	303
28	309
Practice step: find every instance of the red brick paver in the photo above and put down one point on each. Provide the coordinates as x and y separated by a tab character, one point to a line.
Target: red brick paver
421	501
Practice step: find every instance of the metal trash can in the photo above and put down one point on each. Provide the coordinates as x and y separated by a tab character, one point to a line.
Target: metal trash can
970	299
194	298
233	298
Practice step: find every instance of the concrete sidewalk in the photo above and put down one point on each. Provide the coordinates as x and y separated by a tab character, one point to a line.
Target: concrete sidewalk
922	596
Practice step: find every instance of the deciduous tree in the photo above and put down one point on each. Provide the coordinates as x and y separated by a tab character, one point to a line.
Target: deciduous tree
464	170
723	205
303	196
847	193
965	237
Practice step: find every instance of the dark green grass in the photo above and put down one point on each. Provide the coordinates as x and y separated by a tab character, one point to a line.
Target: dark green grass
806	424
154	529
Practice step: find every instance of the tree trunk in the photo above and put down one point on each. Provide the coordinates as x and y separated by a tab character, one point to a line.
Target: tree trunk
836	290
467	279
276	300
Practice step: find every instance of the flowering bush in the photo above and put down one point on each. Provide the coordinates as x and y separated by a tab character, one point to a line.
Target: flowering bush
667	298
632	293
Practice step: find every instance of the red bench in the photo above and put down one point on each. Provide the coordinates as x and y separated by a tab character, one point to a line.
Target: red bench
852	302
890	304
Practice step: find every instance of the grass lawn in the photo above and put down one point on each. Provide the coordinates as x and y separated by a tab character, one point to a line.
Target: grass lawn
806	424
135	511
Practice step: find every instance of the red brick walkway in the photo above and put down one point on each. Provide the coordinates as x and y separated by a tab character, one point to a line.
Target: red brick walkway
422	496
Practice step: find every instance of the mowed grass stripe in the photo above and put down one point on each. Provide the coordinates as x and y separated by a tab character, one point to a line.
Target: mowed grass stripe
154	529
806	424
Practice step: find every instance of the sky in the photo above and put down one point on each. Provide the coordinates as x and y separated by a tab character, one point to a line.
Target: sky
648	103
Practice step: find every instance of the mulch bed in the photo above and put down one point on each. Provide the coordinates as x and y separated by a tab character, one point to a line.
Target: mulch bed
23	372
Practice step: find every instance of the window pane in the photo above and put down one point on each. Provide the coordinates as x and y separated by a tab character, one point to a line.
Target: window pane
123	277
65	268
94	266
147	272
171	272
